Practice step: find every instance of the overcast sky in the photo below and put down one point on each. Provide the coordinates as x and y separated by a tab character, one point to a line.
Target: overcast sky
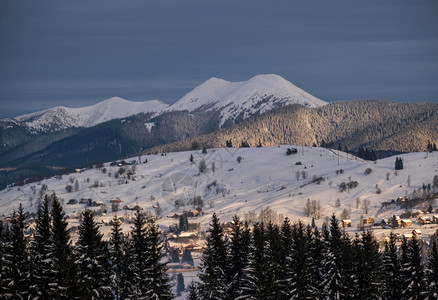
77	53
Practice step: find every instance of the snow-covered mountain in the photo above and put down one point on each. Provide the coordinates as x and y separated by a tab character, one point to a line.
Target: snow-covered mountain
233	100
60	117
244	99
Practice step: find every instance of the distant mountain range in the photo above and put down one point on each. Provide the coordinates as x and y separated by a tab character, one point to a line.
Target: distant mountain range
234	100
266	109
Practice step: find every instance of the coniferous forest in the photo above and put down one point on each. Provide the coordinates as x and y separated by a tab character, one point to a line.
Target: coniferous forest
294	261
48	266
291	261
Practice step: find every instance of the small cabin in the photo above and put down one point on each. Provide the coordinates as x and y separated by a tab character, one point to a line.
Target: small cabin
346	223
416	232
116	200
368	220
406	223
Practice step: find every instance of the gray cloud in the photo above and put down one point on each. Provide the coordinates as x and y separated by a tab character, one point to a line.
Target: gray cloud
78	53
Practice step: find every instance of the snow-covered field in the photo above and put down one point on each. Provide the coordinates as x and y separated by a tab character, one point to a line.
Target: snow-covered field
264	178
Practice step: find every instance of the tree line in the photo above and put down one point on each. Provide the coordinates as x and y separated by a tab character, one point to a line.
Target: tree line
294	261
49	266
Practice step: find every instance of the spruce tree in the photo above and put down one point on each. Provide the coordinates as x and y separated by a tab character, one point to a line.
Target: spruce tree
432	272
44	273
4	243
238	257
369	270
333	285
62	253
415	273
179	284
139	255
16	265
303	264
404	263
392	269
187	257
214	264
287	261
273	246
116	257
193	291
91	260
158	282
256	278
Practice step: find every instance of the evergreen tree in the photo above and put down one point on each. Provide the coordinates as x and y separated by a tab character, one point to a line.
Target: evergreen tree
273	246
193	291
4	243
16	266
175	257
415	273
333	285
191	158
179	284
91	260
62	253
256	277
317	250
187	257
287	263
139	255
369	270
238	257
432	273
116	257
158	282
398	163
404	263
43	273
214	266
391	264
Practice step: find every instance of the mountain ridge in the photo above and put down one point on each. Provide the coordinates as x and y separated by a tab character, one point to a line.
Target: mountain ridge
234	100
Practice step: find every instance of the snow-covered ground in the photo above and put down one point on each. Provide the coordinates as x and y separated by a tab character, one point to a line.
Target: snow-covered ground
265	177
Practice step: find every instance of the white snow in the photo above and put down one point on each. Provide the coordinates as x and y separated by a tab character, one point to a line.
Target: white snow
233	98
257	95
266	177
113	108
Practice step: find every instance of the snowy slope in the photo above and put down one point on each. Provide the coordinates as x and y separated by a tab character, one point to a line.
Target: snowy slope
266	177
60	117
257	95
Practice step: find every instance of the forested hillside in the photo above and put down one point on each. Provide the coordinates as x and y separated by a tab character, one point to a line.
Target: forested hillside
378	125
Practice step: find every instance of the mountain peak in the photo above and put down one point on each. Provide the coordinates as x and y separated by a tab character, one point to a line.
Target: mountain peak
60	117
243	99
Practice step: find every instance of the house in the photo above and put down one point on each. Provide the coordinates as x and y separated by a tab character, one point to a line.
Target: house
195	213
424	220
435	219
416	232
406	223
346	223
116	200
368	220
193	247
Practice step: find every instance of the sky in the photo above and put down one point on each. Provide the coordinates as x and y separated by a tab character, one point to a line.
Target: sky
77	53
